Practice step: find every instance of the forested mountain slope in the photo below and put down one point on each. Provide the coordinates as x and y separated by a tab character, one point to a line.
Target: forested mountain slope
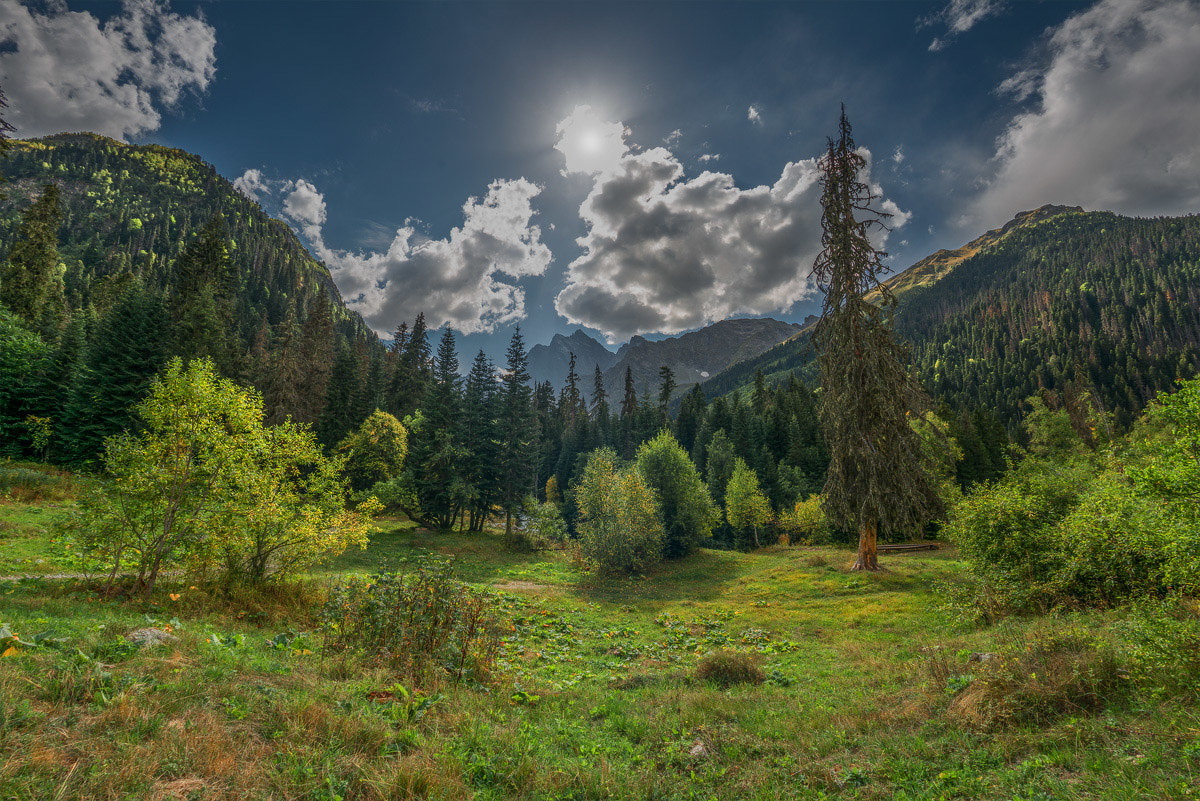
131	209
1056	296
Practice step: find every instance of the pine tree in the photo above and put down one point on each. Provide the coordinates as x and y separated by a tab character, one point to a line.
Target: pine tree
437	454
411	377
877	473
283	373
30	285
316	357
129	347
629	403
599	396
479	437
666	388
516	432
203	296
336	421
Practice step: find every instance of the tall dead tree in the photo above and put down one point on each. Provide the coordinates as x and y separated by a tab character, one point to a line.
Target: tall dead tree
878	474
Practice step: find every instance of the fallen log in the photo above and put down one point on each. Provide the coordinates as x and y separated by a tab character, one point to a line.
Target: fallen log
909	546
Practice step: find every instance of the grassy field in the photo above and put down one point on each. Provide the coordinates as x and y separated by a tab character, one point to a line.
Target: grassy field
866	693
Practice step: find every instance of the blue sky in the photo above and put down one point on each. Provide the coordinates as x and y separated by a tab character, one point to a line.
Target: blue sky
361	119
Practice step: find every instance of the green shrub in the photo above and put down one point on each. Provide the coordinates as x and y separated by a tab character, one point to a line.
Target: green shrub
688	512
543	527
426	625
805	523
620	528
726	668
1165	648
375	451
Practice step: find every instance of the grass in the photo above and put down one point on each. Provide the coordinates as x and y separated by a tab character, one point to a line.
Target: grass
865	677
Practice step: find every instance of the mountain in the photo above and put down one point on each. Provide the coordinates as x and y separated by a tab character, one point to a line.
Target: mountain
130	209
695	356
550	362
1057	296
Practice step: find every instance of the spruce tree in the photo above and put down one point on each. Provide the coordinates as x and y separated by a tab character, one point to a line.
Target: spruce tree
437	454
666	388
479	437
877	476
336	421
129	347
30	285
407	388
203	296
517	434
316	356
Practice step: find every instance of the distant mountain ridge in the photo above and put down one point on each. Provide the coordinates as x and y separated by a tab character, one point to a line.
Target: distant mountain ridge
1056	296
692	357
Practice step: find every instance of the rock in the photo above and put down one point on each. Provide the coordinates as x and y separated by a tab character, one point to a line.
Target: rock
698	751
148	638
981	657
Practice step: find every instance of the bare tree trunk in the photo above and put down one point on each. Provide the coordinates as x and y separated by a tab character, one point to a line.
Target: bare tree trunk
868	554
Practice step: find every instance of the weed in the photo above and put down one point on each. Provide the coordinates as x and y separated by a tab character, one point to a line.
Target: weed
727	668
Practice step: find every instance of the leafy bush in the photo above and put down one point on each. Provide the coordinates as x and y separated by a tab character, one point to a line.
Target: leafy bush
1165	648
746	507
806	524
1050	676
543	527
375	452
426	625
727	668
688	512
620	529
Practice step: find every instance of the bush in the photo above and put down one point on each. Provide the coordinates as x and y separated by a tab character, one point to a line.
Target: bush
35	485
806	524
727	668
426	625
375	452
688	513
543	527
1051	676
1165	648
620	529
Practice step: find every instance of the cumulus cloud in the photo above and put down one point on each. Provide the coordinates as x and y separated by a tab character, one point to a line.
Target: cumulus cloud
959	16
252	184
754	114
67	71
589	144
664	253
468	280
1116	108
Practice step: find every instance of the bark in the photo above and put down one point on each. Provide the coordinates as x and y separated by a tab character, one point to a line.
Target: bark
868	543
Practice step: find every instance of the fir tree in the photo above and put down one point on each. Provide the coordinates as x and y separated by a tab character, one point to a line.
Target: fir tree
666	388
203	297
479	438
516	432
336	420
30	285
129	347
877	475
316	356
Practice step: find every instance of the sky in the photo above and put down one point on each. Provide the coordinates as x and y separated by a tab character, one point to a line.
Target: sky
630	169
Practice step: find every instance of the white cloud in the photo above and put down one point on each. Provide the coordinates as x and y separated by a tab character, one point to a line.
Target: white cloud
898	156
754	114
707	157
252	184
467	280
664	253
960	16
1115	115
673	137
66	71
588	143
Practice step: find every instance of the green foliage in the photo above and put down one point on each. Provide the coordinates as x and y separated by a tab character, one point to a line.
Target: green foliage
543	527
1069	527
805	523
20	352
620	527
688	512
746	508
1165	648
30	283
204	479
375	452
425	624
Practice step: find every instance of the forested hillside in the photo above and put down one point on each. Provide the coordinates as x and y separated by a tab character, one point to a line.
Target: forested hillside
1058	298
117	257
